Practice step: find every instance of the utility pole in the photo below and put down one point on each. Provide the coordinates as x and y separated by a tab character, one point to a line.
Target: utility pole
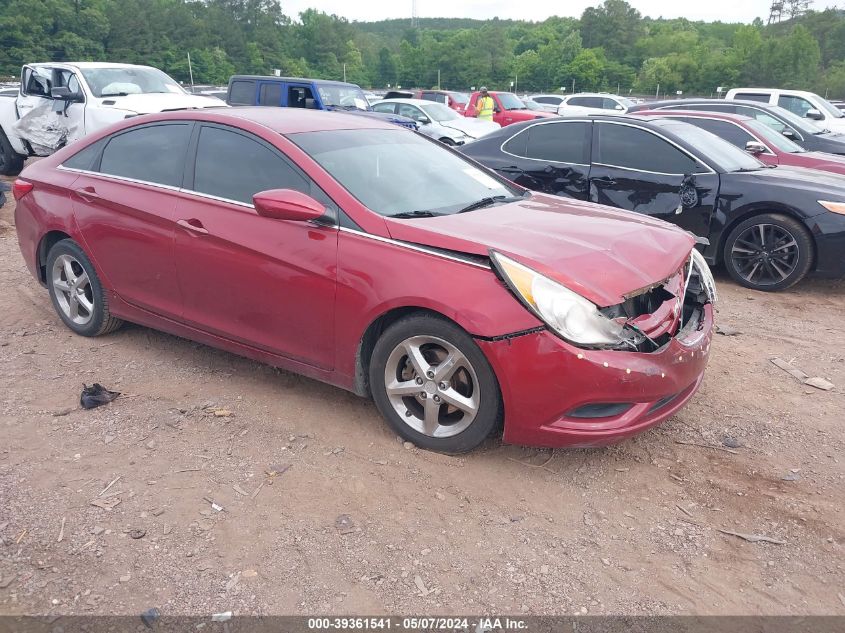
190	70
344	72
573	85
438	79
516	82
657	94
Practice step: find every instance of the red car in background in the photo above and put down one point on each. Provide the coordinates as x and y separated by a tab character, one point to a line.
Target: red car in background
508	109
458	101
756	138
357	253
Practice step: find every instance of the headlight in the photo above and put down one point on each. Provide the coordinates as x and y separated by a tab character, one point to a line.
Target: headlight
836	207
569	314
698	263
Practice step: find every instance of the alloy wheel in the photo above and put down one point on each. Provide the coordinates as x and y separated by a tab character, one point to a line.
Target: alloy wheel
72	289
432	386
765	254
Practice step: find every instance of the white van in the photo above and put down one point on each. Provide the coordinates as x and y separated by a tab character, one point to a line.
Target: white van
804	104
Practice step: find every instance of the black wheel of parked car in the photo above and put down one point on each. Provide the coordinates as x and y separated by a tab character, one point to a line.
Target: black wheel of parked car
11	163
76	291
434	385
768	252
447	141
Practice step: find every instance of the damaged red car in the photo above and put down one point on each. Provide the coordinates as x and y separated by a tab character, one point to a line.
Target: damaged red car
360	254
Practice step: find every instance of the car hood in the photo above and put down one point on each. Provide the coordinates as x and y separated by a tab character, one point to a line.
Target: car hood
471	127
599	252
161	102
823	161
816	184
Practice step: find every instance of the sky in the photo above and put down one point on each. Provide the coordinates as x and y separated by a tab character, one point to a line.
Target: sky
371	10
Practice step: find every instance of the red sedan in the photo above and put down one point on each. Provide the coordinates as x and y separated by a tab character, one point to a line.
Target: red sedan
756	138
371	258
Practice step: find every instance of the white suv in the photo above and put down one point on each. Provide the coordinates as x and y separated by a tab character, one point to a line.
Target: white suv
593	103
804	104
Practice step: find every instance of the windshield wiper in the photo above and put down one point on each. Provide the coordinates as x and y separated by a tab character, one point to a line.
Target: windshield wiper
486	202
114	94
415	214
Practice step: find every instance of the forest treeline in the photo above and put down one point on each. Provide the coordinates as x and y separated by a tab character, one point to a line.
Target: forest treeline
609	47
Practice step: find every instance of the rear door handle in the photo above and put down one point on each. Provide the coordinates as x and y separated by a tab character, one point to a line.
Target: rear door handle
193	225
607	182
88	193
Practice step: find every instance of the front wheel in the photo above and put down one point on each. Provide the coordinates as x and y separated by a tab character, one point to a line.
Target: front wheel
768	252
434	385
76	291
11	163
447	141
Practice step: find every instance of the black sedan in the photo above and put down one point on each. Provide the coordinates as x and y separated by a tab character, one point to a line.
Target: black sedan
769	226
810	135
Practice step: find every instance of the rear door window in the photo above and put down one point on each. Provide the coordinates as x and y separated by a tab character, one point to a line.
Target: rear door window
270	94
564	142
242	92
638	149
249	167
586	102
37	82
152	153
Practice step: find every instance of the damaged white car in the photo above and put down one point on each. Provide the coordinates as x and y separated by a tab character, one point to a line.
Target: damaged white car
59	103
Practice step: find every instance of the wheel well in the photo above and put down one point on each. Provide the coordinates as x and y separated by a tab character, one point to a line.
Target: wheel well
372	335
720	254
47	242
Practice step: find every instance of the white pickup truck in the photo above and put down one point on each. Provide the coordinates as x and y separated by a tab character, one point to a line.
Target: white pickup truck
59	103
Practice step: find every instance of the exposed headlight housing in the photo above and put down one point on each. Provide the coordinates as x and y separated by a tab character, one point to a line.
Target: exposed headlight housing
835	207
567	313
699	265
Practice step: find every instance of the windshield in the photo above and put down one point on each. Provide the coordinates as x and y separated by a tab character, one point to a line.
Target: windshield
115	82
532	105
392	171
712	148
439	112
510	101
774	138
831	109
341	96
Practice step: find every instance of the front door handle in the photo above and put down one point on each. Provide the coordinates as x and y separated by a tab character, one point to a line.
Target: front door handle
607	182
193	225
88	193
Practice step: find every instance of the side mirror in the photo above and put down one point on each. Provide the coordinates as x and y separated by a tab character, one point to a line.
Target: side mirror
618	107
287	204
814	114
789	134
422	120
65	94
755	148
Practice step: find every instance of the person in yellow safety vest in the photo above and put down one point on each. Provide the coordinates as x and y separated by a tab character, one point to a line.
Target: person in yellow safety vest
485	105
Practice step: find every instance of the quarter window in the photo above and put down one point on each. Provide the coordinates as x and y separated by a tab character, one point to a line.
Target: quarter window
235	167
640	150
154	154
242	93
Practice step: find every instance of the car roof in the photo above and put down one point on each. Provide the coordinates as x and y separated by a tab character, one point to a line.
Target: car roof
774	91
593	94
285	120
297	79
90	65
709	114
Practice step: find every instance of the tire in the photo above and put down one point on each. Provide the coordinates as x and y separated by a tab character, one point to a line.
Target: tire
469	382
11	163
88	314
447	141
768	252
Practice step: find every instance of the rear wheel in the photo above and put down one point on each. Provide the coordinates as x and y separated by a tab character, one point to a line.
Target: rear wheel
76	291
769	252
11	163
447	141
434	385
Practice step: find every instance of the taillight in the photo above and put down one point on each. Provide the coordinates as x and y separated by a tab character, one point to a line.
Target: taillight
21	188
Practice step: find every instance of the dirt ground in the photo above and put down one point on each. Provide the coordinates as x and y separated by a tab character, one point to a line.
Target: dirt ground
632	529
